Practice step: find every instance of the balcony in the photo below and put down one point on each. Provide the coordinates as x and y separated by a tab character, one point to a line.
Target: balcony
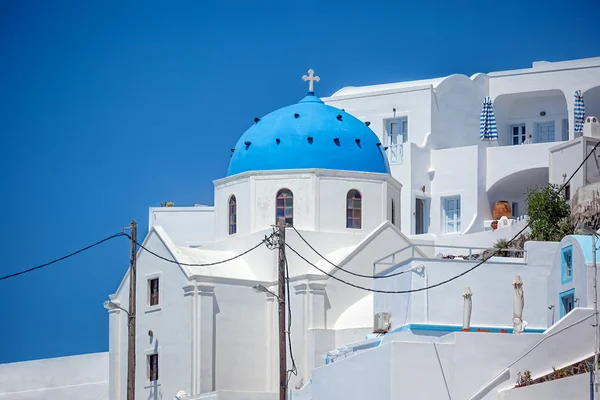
395	153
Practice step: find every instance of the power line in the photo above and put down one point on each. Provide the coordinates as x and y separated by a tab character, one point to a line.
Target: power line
265	240
456	276
64	257
345	270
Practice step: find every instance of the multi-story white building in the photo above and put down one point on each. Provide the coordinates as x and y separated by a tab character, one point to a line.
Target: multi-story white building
451	179
354	192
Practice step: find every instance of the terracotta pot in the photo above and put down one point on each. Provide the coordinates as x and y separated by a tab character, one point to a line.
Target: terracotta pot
502	209
494	225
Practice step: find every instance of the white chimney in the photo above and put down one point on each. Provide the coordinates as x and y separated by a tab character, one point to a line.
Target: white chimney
591	127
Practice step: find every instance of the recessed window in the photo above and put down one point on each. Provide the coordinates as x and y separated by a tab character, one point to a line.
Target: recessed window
153	367
397	134
393	212
285	206
451	211
353	209
568	191
567	302
232	220
515	209
567	264
153	291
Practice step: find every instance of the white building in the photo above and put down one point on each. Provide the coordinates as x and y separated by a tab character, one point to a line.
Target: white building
451	179
426	344
202	329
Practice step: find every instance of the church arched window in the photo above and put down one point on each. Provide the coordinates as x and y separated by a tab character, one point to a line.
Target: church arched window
354	209
285	206
232	215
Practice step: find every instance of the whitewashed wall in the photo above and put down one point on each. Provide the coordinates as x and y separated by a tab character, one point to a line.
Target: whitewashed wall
525	108
492	288
456	108
460	172
579	283
567	76
319	200
573	387
185	225
82	377
242	190
170	323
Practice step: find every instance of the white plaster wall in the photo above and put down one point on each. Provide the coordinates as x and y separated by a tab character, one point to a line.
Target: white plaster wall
573	387
456	369
525	108
185	225
376	107
564	160
265	190
574	335
170	323
82	377
174	345
509	160
455	174
242	189
567	76
456	104
491	285
579	282
331	204
369	378
315	205
241	338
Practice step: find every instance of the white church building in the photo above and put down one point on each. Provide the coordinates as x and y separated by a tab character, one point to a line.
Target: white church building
379	180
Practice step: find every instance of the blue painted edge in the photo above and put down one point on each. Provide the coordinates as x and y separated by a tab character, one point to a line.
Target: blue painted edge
563	264
458	328
561	296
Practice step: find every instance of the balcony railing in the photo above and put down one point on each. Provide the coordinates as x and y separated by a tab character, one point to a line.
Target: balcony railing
396	153
450	253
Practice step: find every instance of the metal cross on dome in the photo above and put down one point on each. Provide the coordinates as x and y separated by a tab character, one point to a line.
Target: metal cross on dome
311	78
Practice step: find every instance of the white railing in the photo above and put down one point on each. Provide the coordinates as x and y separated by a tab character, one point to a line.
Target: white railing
453	253
396	153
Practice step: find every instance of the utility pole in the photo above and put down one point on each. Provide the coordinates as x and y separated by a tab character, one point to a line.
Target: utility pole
597	346
281	295
131	316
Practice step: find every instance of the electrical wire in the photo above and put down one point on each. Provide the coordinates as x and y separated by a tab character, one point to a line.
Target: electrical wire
456	276
294	369
265	240
64	257
345	270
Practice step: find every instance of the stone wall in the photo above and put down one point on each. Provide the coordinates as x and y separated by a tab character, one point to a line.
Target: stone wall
585	206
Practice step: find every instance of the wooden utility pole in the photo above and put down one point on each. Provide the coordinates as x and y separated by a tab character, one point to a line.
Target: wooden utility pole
281	295
131	316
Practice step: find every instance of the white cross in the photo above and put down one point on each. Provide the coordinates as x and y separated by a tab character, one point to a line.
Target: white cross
311	78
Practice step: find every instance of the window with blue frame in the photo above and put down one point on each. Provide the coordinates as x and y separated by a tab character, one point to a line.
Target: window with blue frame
567	264
567	302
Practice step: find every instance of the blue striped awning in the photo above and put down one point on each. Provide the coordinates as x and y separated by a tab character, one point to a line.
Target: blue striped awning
579	113
487	121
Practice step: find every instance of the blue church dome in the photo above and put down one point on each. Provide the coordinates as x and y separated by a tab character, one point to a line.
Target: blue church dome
309	134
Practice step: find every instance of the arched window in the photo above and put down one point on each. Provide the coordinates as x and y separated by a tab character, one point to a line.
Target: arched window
393	212
285	206
232	215
354	209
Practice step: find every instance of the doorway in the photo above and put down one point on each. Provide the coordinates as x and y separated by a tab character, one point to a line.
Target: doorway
419	216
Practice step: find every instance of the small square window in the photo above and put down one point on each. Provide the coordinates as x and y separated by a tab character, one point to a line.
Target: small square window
567	302
153	367
153	291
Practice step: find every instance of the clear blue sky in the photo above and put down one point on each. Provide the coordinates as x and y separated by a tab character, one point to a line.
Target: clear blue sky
110	108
